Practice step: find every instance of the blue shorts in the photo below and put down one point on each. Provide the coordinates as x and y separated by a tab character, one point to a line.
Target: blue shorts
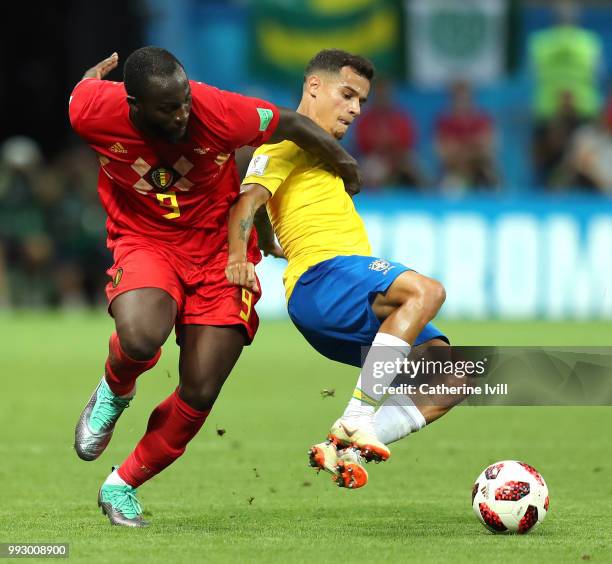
331	305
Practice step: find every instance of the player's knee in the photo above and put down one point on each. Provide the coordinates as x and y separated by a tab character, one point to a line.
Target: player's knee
200	397
427	292
436	293
140	343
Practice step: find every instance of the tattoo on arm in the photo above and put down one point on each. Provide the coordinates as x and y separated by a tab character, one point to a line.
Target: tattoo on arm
246	225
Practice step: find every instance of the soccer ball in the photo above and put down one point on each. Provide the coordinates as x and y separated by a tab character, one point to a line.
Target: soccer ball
510	497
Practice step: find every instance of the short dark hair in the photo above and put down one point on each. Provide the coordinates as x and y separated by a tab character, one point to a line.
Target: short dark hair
145	63
332	60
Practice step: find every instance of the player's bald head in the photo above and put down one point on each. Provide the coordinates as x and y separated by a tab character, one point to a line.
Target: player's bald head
152	68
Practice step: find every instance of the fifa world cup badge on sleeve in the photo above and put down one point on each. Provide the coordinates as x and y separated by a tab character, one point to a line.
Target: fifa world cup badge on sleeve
265	117
258	165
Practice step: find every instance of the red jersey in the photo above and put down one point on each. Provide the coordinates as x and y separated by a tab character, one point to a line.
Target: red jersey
384	131
468	128
178	194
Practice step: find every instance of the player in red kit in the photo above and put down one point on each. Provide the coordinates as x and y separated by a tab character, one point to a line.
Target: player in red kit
167	180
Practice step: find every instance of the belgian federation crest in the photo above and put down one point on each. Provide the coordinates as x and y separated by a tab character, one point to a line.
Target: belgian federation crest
117	277
162	178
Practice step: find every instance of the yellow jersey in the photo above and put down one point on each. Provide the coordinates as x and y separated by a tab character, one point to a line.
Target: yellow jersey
312	215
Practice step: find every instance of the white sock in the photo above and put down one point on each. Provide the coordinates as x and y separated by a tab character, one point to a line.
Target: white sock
396	418
367	394
115	480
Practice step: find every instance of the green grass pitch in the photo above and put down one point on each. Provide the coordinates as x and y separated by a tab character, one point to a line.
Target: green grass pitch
248	496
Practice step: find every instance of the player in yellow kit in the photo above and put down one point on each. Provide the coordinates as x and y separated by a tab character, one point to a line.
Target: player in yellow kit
343	300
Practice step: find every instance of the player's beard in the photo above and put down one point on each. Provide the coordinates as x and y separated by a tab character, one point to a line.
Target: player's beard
171	136
176	137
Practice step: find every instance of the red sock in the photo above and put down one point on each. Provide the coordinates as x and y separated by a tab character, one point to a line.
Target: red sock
121	370
171	426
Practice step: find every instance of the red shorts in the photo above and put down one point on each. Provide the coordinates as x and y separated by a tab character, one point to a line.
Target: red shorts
201	291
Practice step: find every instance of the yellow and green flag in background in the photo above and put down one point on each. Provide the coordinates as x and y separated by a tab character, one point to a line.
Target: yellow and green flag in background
287	33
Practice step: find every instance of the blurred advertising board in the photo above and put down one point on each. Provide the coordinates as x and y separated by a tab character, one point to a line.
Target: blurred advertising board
537	257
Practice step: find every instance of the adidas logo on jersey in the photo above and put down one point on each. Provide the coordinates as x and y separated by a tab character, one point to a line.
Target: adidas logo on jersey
201	150
117	148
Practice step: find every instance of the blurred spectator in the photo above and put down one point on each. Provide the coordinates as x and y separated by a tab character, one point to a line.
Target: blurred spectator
4	290
385	138
75	219
566	58
52	250
21	223
31	283
589	161
551	140
464	143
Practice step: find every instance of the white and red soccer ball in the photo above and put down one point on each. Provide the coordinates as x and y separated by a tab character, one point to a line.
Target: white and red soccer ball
510	497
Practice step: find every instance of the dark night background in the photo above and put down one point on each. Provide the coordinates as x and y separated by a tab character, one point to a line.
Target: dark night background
43	59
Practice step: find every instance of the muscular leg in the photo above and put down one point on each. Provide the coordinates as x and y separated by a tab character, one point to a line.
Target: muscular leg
405	308
411	302
208	355
143	320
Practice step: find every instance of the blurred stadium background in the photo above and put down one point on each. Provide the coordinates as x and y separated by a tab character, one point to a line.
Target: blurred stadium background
487	152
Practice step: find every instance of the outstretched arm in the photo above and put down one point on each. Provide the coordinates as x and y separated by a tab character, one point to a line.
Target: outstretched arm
314	139
100	70
238	270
